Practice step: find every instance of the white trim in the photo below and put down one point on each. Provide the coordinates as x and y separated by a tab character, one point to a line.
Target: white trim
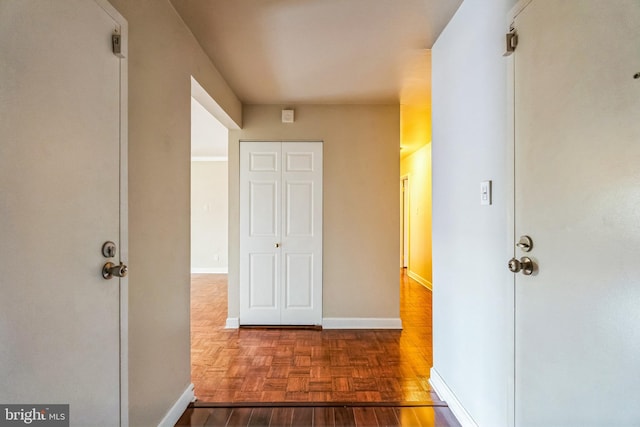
215	270
424	282
232	323
209	159
515	10
178	408
202	96
509	192
362	323
445	394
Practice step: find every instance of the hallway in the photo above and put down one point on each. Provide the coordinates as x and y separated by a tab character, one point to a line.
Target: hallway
298	365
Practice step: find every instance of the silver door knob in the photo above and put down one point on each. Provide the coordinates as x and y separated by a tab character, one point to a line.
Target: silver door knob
110	270
514	265
524	264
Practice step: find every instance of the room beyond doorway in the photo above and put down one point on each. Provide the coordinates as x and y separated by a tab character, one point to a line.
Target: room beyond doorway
416	208
209	192
292	365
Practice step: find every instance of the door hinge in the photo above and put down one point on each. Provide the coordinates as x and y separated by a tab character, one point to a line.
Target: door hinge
512	42
116	43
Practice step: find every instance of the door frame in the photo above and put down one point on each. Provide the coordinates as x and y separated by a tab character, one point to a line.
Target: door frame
124	208
510	200
404	188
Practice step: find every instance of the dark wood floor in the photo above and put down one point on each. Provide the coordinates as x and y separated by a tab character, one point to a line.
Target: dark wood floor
293	377
347	416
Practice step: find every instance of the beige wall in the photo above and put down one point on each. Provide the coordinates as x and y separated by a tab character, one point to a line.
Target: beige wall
417	167
361	214
162	57
209	216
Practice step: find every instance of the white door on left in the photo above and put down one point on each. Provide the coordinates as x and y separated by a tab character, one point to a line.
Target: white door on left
60	200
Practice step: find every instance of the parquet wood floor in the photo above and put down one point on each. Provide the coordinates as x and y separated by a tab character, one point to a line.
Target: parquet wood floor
292	365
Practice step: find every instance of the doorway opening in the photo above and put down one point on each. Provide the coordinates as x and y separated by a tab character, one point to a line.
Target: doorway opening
415	169
209	212
415	208
209	193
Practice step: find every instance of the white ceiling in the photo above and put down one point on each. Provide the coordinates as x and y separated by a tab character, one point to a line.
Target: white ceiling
315	51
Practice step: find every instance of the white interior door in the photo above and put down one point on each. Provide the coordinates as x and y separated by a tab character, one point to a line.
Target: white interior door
60	193
280	233
301	233
260	231
577	194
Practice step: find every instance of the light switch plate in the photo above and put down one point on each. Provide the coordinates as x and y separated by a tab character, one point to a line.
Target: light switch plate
485	193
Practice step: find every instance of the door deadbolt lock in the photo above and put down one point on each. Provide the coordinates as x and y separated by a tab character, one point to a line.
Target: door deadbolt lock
111	270
109	249
524	264
525	243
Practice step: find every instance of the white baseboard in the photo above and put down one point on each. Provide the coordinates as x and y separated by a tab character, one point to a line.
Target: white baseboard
217	270
444	392
209	159
232	323
178	408
361	323
424	282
